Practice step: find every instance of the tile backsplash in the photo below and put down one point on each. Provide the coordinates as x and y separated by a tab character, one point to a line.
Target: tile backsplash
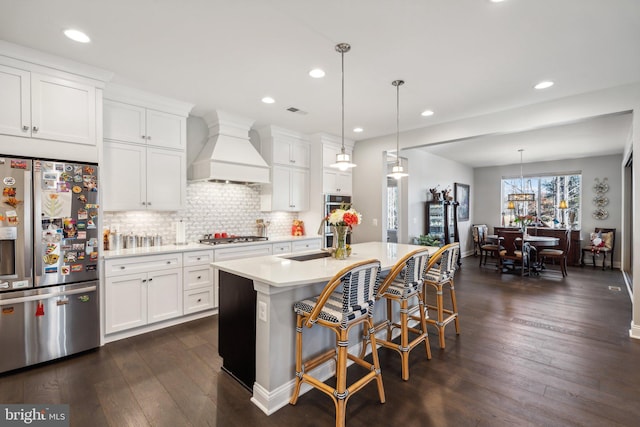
210	208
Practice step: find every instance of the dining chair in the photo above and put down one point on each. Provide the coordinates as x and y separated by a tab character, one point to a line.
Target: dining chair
561	254
512	254
404	283
440	271
487	247
607	245
346	300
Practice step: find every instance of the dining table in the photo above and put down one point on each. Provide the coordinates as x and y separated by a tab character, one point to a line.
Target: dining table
536	242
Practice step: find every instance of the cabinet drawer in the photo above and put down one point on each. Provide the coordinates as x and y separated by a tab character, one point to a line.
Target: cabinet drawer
306	245
198	300
197	277
198	257
281	248
122	266
242	252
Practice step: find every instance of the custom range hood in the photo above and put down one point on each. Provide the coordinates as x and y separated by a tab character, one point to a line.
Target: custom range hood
228	154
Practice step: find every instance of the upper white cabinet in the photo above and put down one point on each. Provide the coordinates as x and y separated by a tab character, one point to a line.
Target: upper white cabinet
35	105
335	181
288	154
325	178
144	151
132	123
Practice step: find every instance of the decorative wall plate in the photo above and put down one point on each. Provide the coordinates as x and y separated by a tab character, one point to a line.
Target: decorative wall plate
600	200
601	187
600	213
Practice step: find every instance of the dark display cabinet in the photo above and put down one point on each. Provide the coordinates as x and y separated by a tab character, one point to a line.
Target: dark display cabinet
442	220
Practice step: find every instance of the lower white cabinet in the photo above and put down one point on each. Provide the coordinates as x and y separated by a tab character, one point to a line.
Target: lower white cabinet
199	291
306	245
281	248
142	290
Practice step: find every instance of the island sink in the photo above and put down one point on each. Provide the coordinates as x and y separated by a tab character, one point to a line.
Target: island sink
309	257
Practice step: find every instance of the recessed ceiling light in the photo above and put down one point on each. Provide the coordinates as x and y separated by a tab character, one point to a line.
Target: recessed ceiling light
358	130
268	100
316	73
543	85
77	35
496	1
427	113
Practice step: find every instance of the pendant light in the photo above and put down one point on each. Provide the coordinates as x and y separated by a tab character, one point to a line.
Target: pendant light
521	195
398	171
343	160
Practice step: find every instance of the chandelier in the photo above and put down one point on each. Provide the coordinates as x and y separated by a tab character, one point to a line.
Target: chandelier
398	171
343	160
521	195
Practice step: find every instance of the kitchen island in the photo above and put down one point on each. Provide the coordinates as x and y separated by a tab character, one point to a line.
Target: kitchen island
257	322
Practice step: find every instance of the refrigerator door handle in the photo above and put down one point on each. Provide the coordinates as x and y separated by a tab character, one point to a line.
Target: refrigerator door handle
19	300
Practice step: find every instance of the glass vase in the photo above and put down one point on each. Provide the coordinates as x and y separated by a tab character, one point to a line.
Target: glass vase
340	250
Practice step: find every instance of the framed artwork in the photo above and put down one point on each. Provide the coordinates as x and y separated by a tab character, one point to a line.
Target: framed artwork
461	195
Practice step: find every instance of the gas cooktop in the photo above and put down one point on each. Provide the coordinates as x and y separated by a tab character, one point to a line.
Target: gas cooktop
208	240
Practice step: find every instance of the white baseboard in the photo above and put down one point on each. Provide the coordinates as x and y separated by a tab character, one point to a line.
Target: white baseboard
634	332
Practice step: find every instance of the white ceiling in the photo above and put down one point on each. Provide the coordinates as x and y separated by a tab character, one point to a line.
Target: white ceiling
460	58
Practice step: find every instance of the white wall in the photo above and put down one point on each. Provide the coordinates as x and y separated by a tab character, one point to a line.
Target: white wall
427	170
487	207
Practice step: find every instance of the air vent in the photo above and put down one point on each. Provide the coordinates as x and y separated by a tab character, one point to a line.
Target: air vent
297	111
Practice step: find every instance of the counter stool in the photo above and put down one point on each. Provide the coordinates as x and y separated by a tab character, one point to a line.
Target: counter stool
339	310
401	288
440	271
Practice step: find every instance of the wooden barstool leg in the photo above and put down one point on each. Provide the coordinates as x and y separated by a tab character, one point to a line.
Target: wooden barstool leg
389	320
454	306
440	315
423	323
296	391
404	339
376	361
341	377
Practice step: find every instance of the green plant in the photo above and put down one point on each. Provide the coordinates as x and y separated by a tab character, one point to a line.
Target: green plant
429	240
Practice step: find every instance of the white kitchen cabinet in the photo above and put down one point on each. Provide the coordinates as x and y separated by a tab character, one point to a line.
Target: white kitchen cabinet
290	190
141	177
329	152
136	124
335	181
39	106
142	290
306	245
281	248
290	152
199	292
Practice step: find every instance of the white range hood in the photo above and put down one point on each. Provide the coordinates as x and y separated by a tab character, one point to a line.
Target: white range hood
228	154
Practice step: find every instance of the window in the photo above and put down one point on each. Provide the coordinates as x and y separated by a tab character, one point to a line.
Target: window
547	192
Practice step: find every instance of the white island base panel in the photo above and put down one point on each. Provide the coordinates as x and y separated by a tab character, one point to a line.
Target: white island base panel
275	332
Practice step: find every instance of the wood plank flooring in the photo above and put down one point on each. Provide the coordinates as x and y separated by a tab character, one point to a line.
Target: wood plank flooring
540	351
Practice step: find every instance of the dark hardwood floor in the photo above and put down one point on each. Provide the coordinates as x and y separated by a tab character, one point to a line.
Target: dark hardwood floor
540	351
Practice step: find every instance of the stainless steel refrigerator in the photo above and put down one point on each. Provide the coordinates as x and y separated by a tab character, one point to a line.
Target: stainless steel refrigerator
49	241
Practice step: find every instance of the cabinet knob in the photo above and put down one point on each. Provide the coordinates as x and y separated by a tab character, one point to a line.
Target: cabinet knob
150	279
143	203
292	161
35	129
199	299
122	267
199	277
144	280
198	258
148	203
149	138
143	136
25	128
168	262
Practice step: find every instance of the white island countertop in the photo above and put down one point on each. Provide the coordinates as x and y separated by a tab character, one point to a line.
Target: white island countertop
282	271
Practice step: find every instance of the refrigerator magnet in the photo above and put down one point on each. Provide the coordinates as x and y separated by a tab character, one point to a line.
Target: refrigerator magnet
82	235
88	170
65	270
9	180
12	217
91	267
51	248
93	256
82	225
82	214
69	229
51	270
70	257
58	167
77	189
82	198
9	191
51	259
77	178
18	164
81	256
78	246
77	170
63	187
91	224
50	176
64	176
68	168
76	268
